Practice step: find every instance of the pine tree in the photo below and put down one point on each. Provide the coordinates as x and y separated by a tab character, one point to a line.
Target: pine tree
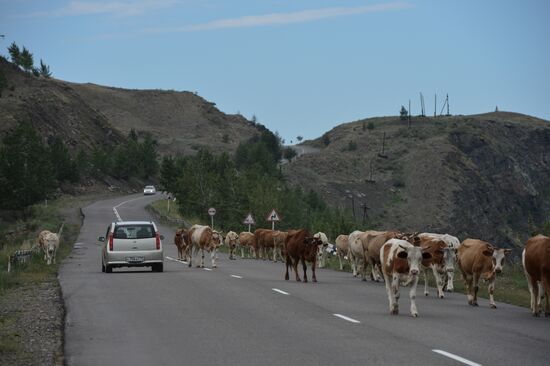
26	60
15	54
44	70
3	82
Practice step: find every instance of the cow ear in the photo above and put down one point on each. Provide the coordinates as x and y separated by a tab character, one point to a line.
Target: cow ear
487	253
402	255
426	255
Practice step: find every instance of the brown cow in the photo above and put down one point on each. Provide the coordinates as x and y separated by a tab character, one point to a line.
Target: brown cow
181	239
536	264
301	246
477	260
264	242
342	248
373	242
247	240
279	238
231	242
401	261
203	238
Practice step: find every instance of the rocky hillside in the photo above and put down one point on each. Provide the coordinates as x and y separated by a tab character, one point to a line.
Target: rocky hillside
484	176
87	114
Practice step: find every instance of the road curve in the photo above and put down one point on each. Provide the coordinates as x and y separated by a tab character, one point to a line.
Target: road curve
244	313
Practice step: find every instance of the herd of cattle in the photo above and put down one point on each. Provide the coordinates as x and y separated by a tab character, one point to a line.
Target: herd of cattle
396	257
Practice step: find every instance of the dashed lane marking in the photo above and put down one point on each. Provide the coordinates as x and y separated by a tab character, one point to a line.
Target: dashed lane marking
176	260
235	276
455	357
280	291
346	318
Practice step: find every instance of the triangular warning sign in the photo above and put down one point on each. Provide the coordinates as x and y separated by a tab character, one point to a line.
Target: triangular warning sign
273	216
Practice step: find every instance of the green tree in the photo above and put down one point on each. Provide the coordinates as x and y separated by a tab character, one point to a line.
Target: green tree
403	113
25	170
15	54
3	82
148	152
65	169
26	60
168	173
44	70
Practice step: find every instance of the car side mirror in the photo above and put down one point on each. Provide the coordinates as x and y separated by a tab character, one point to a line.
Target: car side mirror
100	238
162	237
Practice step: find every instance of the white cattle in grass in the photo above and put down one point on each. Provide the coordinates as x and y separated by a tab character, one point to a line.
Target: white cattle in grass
49	243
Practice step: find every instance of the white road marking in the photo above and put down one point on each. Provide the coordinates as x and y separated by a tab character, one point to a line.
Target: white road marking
235	276
280	291
119	218
176	260
455	357
347	318
207	269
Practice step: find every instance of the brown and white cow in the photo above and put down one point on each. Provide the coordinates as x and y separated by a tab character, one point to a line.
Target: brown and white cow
301	246
49	243
373	241
231	241
453	243
477	260
441	262
247	241
203	238
400	263
279	238
182	242
536	264
342	248
321	250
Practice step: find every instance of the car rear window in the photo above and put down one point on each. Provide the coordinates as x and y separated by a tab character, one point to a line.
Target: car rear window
134	231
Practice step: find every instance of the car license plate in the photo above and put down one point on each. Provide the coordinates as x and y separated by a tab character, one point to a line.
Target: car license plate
135	259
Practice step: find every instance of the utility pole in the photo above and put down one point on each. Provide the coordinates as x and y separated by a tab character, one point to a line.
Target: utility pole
409	113
435	105
448	114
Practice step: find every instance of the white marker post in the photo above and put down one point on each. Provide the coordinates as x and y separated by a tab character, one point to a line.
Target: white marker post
273	216
249	220
212	212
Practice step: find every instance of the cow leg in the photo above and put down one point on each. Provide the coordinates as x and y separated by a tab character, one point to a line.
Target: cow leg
545	291
191	250
476	278
364	270
304	267
213	254
426	293
295	267
287	264
395	293
201	265
389	292
340	260
534	292
439	283
313	276
469	289
491	289
412	296
450	281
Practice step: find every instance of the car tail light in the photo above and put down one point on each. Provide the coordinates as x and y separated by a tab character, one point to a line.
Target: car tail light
157	236
111	242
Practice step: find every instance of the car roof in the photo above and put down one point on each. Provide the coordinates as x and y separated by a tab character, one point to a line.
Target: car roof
149	186
118	223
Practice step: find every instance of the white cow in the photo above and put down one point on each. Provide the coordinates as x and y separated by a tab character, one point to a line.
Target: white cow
401	263
49	243
342	246
453	243
203	238
321	249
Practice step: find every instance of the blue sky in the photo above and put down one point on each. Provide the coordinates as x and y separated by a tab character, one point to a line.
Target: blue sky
301	66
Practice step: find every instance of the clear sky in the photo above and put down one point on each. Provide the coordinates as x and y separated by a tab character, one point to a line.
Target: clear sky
301	66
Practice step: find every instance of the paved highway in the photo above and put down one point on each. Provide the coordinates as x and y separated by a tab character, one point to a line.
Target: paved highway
244	313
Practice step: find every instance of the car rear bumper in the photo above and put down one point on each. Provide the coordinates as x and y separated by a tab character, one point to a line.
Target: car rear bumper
120	259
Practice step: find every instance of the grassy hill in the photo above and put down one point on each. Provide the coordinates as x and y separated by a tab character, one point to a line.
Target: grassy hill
482	176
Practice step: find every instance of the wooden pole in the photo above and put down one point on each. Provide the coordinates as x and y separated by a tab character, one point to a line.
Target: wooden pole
435	105
409	113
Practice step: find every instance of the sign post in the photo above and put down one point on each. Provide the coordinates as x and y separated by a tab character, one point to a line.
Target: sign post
212	212
273	216
249	220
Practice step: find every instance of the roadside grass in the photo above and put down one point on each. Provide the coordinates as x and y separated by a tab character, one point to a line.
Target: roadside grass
22	234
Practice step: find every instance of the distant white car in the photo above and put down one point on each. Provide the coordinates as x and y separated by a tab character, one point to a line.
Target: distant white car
132	244
149	190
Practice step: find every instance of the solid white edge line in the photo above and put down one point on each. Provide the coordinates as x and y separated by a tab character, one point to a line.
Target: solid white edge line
351	320
119	218
235	276
280	291
455	357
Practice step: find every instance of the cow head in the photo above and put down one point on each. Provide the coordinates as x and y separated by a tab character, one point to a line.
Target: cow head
414	256
449	255
217	239
313	241
497	257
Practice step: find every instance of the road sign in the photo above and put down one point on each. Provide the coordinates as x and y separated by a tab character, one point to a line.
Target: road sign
211	211
249	220
273	216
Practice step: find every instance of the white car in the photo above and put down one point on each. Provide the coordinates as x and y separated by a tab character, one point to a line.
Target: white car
149	190
132	244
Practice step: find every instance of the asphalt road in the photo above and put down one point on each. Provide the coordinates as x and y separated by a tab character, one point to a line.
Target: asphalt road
244	313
